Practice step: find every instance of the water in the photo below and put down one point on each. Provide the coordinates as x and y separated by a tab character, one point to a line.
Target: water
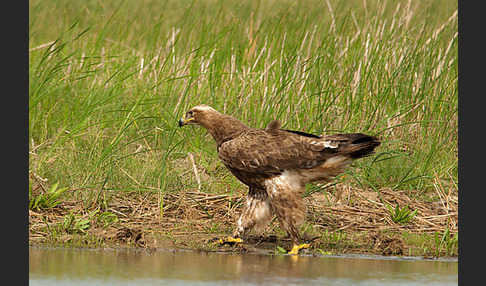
121	267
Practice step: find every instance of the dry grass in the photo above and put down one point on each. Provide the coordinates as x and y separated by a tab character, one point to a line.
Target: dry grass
189	218
355	210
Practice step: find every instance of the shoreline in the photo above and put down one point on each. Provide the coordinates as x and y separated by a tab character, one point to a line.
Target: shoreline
348	221
450	259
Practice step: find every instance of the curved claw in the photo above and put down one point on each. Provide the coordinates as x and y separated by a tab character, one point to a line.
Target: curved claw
296	248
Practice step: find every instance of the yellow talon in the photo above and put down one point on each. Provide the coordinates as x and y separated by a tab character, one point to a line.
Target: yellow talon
229	240
296	248
235	240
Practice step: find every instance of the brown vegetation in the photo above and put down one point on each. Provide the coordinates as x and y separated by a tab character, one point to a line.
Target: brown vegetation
359	221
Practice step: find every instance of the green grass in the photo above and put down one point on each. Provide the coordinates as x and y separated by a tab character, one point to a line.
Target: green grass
435	244
109	79
47	200
401	215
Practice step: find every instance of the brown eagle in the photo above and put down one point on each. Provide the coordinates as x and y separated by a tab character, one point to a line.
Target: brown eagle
276	164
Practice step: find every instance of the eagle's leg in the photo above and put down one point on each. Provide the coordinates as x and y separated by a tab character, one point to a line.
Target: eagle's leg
288	205
256	213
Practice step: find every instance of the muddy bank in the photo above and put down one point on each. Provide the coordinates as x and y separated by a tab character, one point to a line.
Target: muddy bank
344	221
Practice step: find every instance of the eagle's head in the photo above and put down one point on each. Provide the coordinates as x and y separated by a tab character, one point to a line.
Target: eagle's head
199	114
221	126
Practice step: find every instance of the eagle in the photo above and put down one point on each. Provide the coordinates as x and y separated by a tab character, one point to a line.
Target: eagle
276	164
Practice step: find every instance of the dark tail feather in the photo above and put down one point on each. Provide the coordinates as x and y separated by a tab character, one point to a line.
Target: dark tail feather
360	145
365	145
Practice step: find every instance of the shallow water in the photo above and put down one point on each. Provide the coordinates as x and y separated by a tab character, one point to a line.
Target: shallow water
48	266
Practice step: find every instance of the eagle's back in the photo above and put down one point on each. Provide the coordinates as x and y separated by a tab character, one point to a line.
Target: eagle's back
258	154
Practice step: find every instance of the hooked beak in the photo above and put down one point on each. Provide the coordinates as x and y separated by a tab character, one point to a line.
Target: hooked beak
183	121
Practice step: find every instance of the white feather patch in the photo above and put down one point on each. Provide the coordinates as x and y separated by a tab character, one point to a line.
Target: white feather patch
330	144
288	179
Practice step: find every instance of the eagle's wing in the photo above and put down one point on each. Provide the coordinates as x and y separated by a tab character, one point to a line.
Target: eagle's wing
259	151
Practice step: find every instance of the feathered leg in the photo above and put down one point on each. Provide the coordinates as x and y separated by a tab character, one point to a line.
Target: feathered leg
288	205
256	213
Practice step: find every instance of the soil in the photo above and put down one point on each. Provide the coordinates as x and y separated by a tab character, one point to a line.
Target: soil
346	220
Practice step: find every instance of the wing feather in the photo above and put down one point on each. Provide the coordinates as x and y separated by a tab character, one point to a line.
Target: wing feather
259	151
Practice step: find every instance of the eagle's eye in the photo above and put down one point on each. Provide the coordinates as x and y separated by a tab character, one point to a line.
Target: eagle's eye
190	113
